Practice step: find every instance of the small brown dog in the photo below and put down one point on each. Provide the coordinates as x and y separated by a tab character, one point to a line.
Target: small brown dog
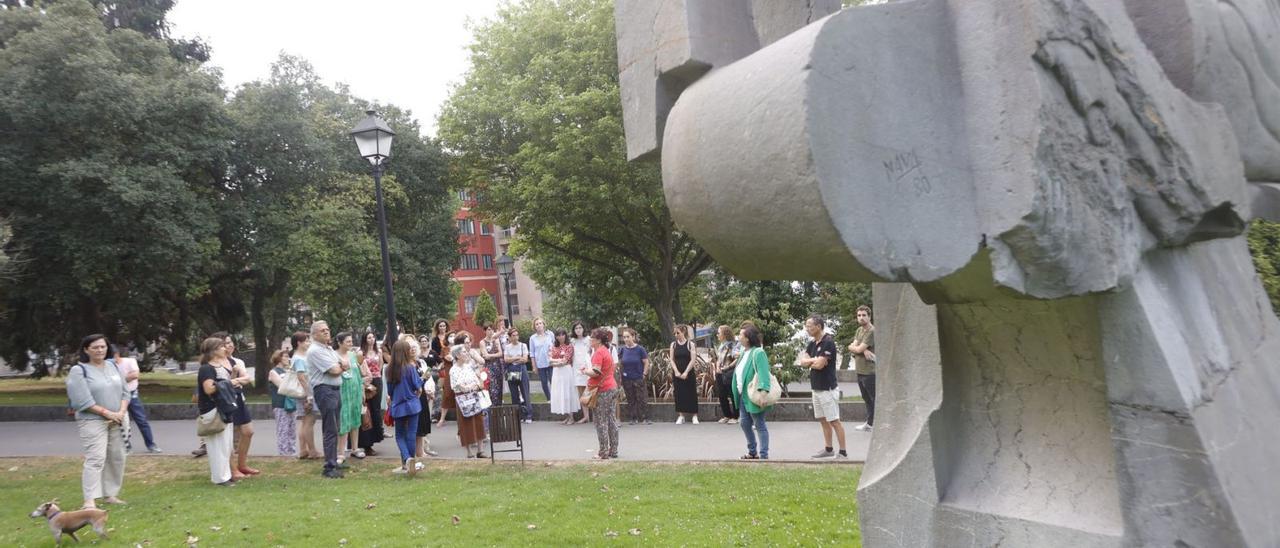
69	522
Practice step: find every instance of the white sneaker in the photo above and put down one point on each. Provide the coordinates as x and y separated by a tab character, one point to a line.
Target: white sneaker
680	419
695	419
400	470
862	427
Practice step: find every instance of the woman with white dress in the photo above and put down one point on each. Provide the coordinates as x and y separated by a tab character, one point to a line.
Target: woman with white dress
581	363
564	398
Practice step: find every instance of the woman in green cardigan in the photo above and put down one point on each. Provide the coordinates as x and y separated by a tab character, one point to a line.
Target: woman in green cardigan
752	373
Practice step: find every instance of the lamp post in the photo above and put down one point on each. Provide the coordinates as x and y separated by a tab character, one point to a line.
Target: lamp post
373	138
505	267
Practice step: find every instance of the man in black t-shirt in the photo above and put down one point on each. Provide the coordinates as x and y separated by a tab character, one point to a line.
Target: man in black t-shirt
820	358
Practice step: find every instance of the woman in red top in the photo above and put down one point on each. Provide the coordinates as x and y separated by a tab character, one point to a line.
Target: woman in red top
601	379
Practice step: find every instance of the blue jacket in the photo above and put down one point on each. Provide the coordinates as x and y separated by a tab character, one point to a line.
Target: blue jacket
403	396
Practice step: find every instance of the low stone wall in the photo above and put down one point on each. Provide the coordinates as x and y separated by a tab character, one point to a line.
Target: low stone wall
786	410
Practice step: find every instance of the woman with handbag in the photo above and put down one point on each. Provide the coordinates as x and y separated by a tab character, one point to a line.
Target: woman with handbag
467	379
602	394
282	406
404	387
100	397
752	377
214	368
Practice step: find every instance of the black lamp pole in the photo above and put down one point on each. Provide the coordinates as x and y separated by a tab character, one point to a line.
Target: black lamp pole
392	329
373	138
506	290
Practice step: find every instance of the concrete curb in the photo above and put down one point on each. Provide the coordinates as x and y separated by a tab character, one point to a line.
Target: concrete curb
786	410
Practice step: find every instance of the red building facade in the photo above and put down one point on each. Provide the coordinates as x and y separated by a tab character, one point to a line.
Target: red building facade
475	270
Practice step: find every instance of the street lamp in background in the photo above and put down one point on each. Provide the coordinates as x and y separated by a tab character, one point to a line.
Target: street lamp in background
505	267
373	138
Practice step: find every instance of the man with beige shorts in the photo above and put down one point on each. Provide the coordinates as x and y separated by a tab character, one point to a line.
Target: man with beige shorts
820	358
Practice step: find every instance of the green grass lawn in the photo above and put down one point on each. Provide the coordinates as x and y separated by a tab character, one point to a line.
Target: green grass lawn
451	503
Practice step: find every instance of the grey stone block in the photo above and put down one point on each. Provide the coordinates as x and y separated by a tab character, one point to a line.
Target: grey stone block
1086	355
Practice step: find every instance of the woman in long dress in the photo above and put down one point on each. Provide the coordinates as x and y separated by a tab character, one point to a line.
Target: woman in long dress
467	378
683	377
564	397
581	363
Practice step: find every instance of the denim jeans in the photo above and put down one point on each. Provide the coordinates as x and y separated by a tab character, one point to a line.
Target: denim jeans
406	433
544	376
138	416
329	402
520	389
747	420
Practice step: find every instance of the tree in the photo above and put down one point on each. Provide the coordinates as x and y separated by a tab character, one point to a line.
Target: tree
1264	243
298	212
110	153
486	312
537	126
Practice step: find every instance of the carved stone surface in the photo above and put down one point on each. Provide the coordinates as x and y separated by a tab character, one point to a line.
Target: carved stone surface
1065	182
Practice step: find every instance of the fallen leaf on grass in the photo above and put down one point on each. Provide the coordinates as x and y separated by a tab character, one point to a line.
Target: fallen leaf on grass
611	511
634	532
13	469
337	500
342	541
371	506
611	534
456	520
531	527
595	474
637	497
192	540
604	488
215	528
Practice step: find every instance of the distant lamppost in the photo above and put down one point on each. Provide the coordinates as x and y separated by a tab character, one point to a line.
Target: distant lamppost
373	138
505	267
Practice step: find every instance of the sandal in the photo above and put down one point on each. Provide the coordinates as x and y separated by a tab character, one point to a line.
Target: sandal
749	456
359	454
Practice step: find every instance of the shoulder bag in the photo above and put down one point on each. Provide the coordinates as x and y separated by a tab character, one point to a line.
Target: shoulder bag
210	423
291	386
765	399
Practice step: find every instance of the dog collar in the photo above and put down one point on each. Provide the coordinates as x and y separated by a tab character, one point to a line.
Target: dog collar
54	515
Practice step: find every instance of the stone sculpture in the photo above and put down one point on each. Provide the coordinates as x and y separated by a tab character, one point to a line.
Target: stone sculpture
1065	182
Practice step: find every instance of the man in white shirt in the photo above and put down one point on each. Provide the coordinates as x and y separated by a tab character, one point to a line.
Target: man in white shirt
324	370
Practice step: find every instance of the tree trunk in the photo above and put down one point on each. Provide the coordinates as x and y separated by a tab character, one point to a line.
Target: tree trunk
264	339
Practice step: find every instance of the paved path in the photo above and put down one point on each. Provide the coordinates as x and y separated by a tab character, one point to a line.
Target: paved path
543	440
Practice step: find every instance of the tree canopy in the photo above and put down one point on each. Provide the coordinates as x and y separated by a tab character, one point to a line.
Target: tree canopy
145	204
537	127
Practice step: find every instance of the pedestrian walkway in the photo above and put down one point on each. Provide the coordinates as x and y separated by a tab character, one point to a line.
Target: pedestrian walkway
708	441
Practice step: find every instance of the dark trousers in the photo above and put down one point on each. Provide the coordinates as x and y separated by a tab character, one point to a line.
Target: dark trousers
637	399
329	402
867	385
544	376
138	415
520	389
724	391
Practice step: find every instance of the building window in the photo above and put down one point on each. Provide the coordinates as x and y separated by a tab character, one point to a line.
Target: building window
487	261
464	195
511	283
469	262
486	229
469	304
514	303
466	227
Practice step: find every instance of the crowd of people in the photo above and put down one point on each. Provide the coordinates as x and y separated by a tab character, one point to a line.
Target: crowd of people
356	387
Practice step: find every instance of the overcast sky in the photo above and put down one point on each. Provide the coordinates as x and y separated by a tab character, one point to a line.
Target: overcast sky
395	51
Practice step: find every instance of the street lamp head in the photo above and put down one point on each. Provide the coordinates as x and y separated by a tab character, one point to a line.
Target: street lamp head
505	264
373	138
